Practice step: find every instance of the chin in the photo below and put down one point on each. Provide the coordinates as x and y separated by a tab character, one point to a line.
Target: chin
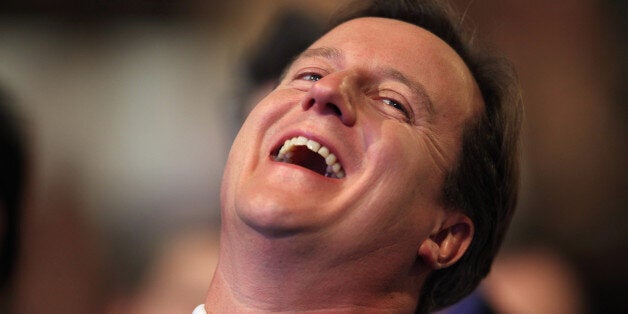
270	216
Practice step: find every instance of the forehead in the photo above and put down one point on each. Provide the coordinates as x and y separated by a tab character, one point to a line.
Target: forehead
393	35
413	51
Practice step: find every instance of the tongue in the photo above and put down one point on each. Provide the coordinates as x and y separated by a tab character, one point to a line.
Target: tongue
306	158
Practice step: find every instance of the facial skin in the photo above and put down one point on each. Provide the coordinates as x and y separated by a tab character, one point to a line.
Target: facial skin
346	92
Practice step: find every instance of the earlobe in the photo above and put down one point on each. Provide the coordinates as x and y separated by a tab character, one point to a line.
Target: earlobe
447	245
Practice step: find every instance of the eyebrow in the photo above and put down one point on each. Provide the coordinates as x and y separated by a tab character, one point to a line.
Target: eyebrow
325	52
416	87
391	73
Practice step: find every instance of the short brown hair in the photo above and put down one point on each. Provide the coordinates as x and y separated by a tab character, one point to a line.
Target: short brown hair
484	184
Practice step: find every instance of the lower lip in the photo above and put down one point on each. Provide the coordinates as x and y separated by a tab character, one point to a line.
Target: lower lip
304	170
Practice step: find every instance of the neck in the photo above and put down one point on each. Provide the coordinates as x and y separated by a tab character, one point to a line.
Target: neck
304	273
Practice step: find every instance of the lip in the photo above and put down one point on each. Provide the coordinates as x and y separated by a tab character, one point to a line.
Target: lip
310	135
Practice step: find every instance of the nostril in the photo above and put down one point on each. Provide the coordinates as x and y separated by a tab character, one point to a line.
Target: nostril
306	105
334	108
329	108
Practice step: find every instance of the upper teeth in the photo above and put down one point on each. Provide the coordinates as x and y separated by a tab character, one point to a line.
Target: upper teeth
334	169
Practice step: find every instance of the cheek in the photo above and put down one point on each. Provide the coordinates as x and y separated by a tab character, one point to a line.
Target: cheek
404	159
393	146
271	109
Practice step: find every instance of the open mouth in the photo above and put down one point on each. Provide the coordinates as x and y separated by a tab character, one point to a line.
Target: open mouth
311	155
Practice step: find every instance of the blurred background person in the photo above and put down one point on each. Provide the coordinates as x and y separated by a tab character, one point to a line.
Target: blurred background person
288	33
13	168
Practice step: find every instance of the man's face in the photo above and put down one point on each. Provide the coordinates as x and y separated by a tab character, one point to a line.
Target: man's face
389	100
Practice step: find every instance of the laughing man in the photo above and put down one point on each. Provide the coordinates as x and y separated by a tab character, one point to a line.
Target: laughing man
380	174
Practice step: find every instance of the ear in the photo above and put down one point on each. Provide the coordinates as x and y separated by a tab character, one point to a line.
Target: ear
447	244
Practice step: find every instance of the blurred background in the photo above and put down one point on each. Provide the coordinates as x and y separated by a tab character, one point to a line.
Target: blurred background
127	110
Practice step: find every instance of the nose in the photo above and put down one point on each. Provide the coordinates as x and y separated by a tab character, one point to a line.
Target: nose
334	94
